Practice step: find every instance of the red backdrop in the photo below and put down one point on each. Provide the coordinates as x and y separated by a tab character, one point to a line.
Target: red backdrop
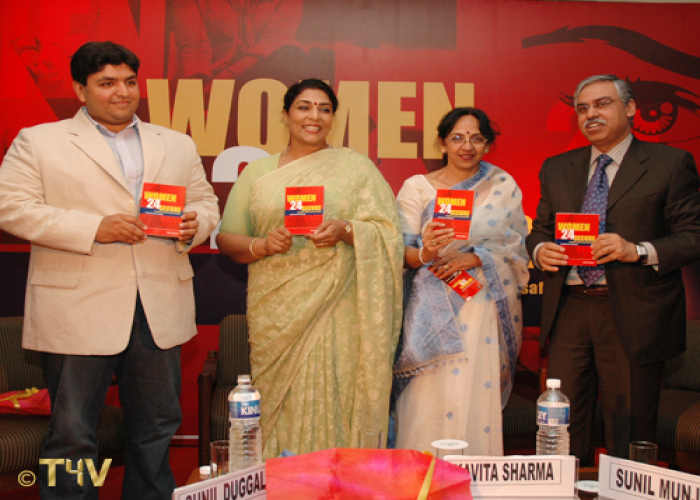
396	65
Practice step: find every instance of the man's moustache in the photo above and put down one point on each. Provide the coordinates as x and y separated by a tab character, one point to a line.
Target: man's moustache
599	121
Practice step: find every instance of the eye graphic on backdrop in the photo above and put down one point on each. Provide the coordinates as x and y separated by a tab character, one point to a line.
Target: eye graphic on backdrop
666	113
656	119
663	113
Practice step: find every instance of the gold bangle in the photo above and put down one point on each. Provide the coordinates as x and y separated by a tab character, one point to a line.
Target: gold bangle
250	247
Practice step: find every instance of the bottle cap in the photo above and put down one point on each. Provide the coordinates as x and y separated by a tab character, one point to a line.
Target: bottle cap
243	379
553	383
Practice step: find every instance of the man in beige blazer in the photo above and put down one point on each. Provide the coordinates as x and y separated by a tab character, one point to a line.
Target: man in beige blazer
102	297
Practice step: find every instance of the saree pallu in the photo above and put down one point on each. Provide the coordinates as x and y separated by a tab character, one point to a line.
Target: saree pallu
324	322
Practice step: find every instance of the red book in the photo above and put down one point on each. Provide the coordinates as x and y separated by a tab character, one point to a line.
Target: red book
161	208
303	208
463	283
453	207
576	232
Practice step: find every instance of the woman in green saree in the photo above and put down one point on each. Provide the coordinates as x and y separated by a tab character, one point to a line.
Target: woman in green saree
324	311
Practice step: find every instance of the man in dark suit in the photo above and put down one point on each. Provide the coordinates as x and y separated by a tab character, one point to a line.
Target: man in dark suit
614	325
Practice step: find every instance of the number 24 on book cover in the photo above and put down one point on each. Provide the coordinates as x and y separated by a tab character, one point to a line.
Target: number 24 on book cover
463	283
576	232
161	209
303	208
453	207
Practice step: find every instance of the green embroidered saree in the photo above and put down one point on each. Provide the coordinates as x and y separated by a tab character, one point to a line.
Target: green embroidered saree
324	322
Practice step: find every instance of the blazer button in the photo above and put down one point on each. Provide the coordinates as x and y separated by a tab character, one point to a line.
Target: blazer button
131	203
132	273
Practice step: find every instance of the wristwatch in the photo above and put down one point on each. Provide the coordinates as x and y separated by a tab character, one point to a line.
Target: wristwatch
643	254
348	228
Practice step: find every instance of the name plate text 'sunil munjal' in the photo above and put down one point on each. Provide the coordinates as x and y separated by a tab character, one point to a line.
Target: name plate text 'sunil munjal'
550	477
242	484
620	479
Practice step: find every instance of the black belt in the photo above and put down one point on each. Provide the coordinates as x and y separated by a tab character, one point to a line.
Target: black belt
589	291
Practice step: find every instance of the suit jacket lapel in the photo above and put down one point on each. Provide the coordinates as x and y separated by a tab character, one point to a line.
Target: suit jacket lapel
153	151
89	140
577	178
631	170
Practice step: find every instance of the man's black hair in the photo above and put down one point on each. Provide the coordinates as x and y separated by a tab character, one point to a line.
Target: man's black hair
93	56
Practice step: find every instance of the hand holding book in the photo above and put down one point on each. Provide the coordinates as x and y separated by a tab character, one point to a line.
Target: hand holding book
550	256
452	216
161	211
331	232
188	226
435	237
450	262
610	246
452	266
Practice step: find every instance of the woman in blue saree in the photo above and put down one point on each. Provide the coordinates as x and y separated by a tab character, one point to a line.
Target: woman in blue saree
455	369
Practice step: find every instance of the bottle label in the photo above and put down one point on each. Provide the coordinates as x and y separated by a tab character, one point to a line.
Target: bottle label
246	396
552	415
244	409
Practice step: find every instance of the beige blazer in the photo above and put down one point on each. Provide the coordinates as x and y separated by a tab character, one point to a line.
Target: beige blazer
57	181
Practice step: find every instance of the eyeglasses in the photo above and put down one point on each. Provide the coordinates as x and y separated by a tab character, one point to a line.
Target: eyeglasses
599	105
459	139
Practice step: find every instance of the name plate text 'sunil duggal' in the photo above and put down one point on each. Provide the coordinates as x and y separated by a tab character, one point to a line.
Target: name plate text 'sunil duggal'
620	479
240	485
547	477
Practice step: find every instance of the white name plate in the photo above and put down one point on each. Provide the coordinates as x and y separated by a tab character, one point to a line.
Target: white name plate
243	484
538	476
626	480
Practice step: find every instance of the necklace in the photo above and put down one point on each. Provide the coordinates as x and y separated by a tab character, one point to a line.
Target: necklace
283	156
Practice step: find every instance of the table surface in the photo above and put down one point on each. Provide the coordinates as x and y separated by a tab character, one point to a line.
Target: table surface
195	477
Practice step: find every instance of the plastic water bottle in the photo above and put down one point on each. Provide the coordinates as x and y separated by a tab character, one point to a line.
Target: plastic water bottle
553	420
245	435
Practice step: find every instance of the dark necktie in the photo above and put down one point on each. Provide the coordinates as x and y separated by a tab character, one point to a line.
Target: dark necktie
596	202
